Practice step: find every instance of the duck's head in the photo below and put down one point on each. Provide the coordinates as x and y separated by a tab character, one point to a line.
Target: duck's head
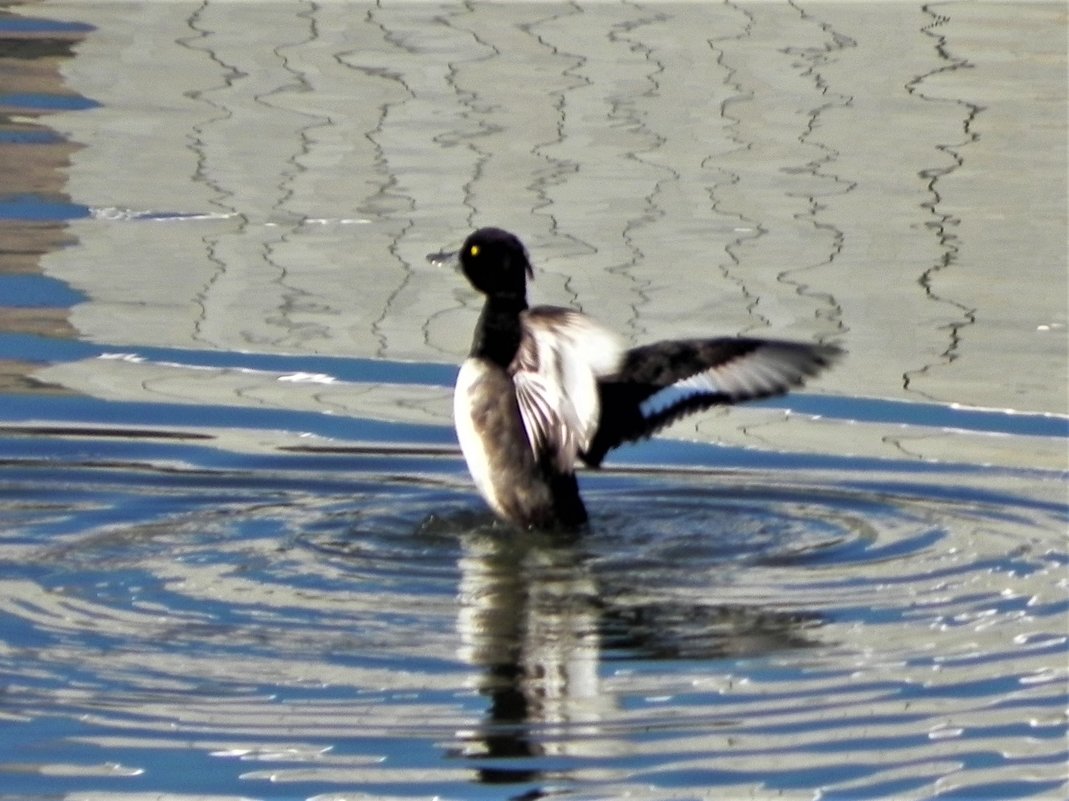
496	263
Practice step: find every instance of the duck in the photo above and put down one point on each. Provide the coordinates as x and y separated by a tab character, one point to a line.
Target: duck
547	388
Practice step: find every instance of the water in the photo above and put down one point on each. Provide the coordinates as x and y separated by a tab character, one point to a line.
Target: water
301	625
240	555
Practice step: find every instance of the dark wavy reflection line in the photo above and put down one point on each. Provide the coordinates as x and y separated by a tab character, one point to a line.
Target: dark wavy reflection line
391	202
749	229
820	167
294	301
199	145
560	170
625	111
943	224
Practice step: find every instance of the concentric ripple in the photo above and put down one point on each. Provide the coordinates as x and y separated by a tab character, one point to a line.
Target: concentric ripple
296	628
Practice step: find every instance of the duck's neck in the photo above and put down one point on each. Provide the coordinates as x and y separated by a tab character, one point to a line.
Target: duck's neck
497	336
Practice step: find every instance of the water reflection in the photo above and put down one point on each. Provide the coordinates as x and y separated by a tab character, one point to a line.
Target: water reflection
678	169
539	619
743	166
943	223
529	621
34	202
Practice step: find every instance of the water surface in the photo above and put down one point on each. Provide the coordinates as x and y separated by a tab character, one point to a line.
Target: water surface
240	556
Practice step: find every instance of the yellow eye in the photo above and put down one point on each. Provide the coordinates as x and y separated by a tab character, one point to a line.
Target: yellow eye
473	250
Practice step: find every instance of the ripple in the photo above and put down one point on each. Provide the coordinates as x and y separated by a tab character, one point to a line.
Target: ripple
364	626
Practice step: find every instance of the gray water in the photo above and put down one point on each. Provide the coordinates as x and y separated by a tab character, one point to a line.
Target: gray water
240	556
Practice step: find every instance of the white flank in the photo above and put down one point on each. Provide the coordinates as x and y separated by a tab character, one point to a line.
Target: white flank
471	442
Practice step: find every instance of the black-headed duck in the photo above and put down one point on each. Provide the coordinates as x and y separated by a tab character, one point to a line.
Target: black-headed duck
546	387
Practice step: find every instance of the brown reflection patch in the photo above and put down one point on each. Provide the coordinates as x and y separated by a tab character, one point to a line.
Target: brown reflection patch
34	160
46	321
16	378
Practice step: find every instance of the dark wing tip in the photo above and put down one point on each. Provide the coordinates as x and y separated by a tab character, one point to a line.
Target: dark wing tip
662	382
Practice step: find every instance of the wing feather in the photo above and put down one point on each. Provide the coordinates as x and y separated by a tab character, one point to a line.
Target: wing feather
562	354
657	384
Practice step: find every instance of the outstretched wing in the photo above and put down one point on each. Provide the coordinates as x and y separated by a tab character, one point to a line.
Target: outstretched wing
657	384
562	354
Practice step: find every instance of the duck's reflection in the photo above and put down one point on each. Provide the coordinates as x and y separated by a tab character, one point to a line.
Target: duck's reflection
537	619
529	619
